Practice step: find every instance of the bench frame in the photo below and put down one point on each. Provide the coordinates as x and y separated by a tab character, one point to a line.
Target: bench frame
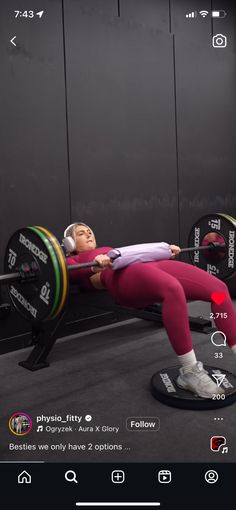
44	335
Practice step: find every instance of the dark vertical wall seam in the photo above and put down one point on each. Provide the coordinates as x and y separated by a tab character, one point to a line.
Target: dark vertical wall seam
170	16
212	26
176	140
66	105
118	7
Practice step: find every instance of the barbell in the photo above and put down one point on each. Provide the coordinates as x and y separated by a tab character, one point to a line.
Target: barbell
37	274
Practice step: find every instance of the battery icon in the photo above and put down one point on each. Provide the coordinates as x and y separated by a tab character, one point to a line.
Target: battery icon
218	14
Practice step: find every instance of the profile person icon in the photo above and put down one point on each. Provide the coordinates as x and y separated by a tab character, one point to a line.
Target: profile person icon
20	424
211	476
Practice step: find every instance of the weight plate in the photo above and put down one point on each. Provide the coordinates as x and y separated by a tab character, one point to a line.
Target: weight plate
35	300
233	275
234	221
214	227
63	270
230	217
165	389
57	288
214	255
60	283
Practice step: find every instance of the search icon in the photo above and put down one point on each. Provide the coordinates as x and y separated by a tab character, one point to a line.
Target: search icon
70	476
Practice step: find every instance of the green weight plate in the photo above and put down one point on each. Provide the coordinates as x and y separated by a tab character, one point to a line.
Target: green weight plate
55	286
63	270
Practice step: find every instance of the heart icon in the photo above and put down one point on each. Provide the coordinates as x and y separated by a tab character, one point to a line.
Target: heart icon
218	297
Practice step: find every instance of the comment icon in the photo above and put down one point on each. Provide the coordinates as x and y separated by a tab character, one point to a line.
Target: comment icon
218	338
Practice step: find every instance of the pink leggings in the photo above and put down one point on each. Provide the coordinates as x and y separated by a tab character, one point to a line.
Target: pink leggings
172	283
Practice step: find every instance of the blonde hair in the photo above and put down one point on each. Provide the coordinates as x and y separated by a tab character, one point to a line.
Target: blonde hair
70	232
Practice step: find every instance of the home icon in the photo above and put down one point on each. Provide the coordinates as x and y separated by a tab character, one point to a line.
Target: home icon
24	477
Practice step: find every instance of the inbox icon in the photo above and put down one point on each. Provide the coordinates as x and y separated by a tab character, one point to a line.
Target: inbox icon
164	476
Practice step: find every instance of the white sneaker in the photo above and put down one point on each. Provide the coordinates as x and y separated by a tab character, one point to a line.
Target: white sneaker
197	381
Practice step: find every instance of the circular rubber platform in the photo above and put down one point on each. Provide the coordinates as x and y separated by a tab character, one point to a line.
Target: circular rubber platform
165	389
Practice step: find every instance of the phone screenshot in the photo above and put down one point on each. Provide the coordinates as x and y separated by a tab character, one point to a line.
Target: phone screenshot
118	275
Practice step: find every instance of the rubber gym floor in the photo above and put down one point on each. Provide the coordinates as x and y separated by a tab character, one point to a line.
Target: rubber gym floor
106	373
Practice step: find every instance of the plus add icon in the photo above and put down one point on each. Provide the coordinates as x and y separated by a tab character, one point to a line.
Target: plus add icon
118	476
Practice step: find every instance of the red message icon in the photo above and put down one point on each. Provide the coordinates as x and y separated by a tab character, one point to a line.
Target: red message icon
218	297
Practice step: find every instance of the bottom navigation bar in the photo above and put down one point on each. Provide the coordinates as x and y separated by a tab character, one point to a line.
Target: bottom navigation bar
120	504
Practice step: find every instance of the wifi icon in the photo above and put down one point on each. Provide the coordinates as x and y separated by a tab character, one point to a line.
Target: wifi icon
204	13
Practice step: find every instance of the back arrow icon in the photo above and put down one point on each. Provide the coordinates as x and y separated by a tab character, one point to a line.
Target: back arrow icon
12	40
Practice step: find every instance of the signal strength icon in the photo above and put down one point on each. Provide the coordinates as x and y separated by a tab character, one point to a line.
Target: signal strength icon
192	14
204	13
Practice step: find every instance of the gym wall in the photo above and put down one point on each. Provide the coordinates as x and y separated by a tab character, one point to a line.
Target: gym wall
109	116
121	119
33	148
206	112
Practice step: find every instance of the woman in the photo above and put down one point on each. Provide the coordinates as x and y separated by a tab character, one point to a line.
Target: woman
159	279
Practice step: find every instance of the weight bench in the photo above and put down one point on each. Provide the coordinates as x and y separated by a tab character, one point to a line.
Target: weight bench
163	383
45	334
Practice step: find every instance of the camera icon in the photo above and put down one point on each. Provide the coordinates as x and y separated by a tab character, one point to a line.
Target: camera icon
219	41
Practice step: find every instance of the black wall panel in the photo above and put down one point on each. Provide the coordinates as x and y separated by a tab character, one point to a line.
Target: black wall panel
33	146
149	13
206	112
119	113
121	127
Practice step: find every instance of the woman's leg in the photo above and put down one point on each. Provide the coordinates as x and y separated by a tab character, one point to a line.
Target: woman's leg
200	285
142	284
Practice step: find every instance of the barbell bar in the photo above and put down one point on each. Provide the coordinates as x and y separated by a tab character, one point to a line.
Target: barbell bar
37	274
26	273
10	278
211	246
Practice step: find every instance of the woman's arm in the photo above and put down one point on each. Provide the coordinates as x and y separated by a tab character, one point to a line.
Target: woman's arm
80	275
77	275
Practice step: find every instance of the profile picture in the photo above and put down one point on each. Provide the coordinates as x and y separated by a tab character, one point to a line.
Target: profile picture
20	424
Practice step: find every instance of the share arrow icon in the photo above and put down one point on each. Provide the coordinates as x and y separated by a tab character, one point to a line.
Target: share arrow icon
219	378
39	14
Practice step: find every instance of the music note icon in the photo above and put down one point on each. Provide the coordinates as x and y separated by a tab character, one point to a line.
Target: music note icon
40	428
225	449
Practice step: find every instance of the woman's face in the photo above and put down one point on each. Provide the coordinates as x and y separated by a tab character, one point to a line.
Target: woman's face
84	238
